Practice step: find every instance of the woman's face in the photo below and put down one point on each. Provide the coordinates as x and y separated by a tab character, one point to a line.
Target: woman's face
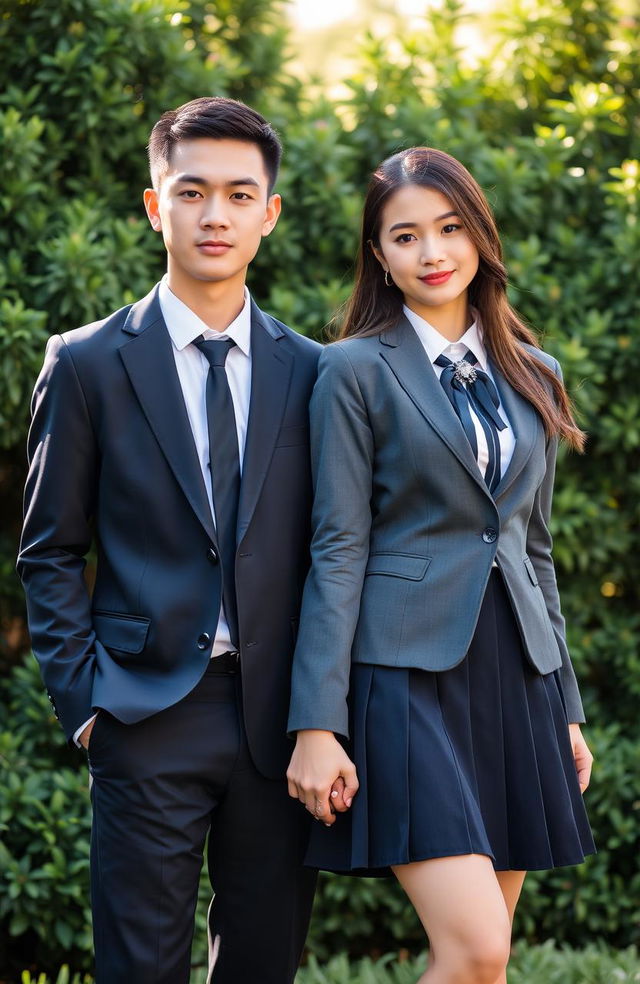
428	253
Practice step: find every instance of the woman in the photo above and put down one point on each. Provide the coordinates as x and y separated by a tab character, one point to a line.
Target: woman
432	603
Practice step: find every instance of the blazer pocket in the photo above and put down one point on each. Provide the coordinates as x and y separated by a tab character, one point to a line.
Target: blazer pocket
125	633
291	436
412	567
531	571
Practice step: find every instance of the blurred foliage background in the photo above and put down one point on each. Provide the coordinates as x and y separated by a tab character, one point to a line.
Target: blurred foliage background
545	115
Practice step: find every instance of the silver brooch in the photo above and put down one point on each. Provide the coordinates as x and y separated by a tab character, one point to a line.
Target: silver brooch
464	372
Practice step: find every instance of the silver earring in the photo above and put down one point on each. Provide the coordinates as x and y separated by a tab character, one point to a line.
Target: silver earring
388	282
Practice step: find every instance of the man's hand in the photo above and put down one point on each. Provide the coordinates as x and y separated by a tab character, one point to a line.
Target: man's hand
85	735
320	768
581	756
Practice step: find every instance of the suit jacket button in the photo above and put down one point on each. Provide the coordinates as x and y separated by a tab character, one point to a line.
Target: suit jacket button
212	555
204	641
489	535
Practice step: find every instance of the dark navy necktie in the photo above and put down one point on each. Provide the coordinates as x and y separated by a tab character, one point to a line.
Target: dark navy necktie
224	463
466	386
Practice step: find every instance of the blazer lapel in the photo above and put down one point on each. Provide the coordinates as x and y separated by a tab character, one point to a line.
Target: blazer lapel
271	367
524	422
150	365
403	351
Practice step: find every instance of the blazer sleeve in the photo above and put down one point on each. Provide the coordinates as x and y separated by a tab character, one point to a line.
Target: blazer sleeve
58	505
539	545
342	451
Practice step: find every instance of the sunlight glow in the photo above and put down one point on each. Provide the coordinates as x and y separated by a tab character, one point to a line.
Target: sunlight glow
309	14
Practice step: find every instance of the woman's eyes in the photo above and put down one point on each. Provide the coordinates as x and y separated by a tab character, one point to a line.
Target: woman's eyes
447	230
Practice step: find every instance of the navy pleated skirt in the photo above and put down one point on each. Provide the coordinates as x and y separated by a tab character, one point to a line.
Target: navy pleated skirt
472	760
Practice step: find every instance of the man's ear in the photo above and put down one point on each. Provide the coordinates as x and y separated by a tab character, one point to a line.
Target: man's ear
274	206
151	205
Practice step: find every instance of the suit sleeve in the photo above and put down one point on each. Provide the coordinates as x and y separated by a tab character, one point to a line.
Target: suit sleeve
342	460
59	499
539	545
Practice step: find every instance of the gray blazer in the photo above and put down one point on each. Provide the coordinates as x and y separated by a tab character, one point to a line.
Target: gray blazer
406	530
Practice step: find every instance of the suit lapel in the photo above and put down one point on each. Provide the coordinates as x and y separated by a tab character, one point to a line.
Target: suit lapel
150	365
524	421
403	351
271	367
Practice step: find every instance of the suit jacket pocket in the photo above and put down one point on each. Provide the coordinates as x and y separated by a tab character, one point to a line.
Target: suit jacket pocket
124	633
413	567
531	571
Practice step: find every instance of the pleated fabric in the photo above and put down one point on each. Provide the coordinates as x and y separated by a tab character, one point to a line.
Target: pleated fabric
472	760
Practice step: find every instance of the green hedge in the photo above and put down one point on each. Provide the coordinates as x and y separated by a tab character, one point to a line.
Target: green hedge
547	120
529	965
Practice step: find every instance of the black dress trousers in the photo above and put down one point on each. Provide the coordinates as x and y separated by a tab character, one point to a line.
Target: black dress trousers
159	787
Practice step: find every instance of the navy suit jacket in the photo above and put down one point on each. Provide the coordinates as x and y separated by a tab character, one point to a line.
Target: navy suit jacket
112	459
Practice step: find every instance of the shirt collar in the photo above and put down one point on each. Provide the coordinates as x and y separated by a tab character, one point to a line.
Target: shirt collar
436	344
184	326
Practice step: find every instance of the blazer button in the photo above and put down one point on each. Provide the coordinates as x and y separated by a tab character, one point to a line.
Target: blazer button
204	641
212	555
489	535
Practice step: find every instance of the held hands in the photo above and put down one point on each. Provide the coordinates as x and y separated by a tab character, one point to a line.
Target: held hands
581	756
321	775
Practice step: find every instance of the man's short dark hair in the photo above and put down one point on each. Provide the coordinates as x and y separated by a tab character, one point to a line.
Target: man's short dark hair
219	119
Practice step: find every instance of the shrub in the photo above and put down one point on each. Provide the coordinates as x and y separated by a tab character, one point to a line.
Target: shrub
529	965
547	121
44	828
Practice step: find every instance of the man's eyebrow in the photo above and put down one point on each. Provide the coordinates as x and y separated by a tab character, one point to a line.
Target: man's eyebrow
190	179
196	179
412	225
243	181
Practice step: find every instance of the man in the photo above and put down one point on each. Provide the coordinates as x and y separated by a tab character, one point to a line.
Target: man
176	430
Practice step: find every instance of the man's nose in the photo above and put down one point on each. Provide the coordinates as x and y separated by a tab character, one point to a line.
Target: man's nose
214	213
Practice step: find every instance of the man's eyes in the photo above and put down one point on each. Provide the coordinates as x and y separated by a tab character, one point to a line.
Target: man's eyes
191	194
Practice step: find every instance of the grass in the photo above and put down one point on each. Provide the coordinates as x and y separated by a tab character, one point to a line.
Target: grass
546	964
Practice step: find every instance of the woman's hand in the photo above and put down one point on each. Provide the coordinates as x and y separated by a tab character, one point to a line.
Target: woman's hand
321	775
581	756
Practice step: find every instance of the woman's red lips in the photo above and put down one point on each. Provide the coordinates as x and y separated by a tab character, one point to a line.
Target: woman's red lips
433	279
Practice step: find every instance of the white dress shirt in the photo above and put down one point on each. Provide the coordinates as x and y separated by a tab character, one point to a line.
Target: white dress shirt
184	327
436	345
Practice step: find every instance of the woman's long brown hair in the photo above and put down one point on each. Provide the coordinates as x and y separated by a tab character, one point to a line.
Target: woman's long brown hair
374	307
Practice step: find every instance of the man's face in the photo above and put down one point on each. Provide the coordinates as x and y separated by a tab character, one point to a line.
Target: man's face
212	208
